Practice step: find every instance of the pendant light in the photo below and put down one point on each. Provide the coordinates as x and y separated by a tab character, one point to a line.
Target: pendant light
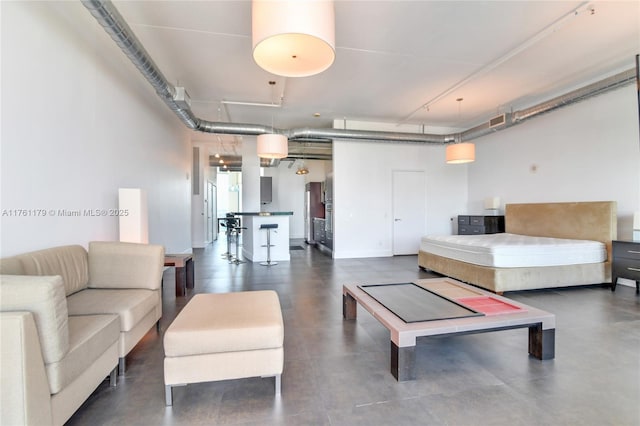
460	153
271	145
302	168
293	38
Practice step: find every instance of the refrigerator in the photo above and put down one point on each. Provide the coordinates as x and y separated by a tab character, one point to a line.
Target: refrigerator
313	208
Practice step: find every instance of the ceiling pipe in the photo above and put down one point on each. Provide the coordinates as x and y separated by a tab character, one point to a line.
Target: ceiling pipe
308	133
110	19
578	95
114	24
602	86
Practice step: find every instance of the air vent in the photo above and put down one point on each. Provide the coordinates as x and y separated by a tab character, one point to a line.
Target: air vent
498	121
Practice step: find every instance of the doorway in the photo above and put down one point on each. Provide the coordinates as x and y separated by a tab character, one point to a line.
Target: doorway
212	217
409	210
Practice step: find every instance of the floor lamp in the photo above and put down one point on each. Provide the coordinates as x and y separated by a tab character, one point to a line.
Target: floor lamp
133	217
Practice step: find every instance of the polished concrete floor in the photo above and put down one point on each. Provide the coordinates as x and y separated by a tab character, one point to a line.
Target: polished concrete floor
337	372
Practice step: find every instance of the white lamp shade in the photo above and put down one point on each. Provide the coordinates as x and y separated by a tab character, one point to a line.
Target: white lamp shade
294	38
492	203
273	146
461	153
133	218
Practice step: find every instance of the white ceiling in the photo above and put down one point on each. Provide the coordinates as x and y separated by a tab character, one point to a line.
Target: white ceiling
392	58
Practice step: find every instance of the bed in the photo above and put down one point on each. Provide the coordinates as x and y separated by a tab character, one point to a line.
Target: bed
591	221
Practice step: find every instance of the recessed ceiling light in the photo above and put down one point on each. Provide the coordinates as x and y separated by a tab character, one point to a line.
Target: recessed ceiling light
316	114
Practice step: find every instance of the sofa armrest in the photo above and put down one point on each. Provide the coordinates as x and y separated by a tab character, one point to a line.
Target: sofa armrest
44	297
24	388
125	265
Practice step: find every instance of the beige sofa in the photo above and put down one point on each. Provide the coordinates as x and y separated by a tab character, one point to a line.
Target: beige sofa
68	319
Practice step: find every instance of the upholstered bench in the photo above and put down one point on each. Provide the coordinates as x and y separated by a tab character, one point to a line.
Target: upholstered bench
225	336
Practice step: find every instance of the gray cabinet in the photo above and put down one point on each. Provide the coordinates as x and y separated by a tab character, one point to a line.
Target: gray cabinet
468	225
266	194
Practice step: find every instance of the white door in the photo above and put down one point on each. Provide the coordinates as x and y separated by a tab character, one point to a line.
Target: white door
409	210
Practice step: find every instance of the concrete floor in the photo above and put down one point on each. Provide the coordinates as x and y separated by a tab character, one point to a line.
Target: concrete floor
337	372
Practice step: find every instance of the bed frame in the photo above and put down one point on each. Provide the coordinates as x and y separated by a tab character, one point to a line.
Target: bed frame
595	221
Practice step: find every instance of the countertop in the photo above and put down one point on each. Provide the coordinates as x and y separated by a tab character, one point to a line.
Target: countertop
263	213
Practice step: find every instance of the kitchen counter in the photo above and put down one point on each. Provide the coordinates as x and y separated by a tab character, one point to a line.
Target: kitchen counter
263	214
254	239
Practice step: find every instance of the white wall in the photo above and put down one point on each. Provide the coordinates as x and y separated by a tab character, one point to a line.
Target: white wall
363	193
589	151
585	152
79	122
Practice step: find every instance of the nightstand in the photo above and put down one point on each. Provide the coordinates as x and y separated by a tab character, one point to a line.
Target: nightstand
625	262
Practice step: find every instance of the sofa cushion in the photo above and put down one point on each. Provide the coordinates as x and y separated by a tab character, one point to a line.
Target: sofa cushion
131	304
44	297
89	337
70	262
125	265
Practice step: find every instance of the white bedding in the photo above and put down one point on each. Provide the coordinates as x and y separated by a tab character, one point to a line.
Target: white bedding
513	251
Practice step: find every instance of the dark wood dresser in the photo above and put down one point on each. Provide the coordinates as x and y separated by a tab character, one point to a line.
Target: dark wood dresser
625	262
468	225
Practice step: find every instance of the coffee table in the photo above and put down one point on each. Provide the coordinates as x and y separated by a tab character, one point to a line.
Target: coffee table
450	308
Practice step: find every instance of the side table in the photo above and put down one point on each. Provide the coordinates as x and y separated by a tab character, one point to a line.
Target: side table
625	262
183	264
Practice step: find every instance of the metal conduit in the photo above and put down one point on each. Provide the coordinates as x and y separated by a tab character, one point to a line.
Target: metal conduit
114	24
577	95
306	133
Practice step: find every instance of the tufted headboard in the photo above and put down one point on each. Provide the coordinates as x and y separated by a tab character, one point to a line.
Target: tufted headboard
588	220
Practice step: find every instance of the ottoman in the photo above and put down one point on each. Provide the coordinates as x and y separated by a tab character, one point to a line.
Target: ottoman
224	336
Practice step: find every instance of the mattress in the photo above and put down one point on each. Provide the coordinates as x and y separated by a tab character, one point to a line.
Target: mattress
506	250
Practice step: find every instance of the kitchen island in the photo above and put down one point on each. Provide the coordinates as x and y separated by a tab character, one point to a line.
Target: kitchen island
254	240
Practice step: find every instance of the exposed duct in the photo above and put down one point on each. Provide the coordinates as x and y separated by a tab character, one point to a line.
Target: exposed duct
233	163
578	95
114	24
307	133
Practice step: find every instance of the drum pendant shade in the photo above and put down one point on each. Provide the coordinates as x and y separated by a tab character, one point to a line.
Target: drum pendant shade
273	146
459	153
293	38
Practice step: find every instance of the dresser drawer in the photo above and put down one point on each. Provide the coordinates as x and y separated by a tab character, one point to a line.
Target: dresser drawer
463	220
626	250
469	230
476	220
626	268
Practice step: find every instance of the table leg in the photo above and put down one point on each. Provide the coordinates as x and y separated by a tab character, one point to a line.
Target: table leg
190	276
403	362
349	308
180	281
542	343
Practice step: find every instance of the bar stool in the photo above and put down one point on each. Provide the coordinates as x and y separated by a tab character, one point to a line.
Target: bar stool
269	227
229	223
237	230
